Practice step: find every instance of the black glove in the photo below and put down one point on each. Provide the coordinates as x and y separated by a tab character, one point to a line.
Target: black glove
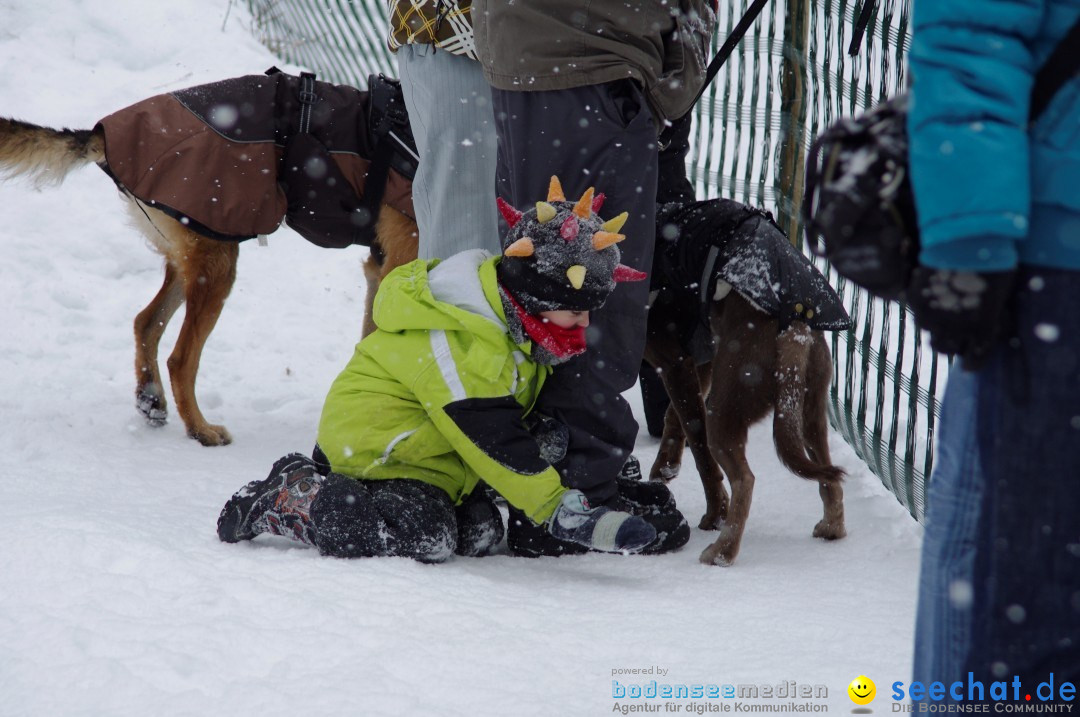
551	435
965	312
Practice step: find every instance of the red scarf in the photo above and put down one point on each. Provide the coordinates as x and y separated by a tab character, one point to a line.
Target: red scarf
559	342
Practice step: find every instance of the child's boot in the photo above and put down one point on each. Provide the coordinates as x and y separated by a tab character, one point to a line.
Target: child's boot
599	528
279	504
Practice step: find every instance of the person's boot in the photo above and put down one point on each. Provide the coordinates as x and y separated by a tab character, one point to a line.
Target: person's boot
598	527
526	539
653	502
280	504
479	524
631	469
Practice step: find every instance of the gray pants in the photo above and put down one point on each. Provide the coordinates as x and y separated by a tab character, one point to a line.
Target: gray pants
449	105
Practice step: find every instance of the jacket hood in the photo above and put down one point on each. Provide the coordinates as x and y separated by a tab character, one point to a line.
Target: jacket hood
454	294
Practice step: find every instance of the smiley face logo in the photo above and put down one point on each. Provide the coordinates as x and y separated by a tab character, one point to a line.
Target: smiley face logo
862	690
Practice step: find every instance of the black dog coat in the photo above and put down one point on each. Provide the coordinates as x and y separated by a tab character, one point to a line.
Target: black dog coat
701	244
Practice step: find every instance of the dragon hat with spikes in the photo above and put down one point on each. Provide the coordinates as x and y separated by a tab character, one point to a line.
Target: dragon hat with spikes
561	255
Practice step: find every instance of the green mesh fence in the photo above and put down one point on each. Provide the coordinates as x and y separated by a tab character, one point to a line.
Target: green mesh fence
789	78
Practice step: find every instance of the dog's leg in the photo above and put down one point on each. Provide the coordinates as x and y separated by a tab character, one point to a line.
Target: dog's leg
208	268
681	382
685	420
816	426
669	458
742	392
149	326
730	453
673	439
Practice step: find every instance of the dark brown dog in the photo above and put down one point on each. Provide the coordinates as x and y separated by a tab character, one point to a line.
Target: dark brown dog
754	366
194	189
751	365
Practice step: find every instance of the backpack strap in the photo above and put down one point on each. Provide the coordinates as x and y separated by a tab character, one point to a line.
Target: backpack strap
1063	65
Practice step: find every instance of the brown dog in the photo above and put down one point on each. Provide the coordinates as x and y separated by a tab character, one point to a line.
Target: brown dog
754	366
751	365
240	188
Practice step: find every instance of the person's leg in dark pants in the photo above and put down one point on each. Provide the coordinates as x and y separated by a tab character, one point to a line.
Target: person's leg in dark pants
387	518
600	136
343	517
654	399
1028	618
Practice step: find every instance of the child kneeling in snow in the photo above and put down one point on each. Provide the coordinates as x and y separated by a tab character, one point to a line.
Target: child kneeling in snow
433	402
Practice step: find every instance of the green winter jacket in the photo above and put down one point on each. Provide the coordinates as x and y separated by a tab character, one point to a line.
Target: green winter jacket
437	393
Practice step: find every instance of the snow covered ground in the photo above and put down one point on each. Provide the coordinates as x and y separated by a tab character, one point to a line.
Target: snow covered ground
116	597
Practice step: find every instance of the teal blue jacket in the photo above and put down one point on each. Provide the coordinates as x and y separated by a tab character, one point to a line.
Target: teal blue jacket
990	192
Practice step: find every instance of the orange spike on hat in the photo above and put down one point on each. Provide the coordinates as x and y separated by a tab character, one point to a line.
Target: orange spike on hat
602	240
615	223
583	208
522	247
555	192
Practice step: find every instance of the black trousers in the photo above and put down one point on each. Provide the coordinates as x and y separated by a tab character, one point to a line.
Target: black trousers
599	136
401	518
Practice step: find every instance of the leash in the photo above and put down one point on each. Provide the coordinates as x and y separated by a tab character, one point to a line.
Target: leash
861	21
722	56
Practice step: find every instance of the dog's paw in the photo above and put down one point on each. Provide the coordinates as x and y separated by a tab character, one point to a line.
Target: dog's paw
711	522
150	403
211	435
665	473
717	555
829	531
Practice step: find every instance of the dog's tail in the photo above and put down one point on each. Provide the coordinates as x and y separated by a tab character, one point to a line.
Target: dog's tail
796	383
46	155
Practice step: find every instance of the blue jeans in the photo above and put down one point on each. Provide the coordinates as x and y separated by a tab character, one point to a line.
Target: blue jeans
1027	620
946	587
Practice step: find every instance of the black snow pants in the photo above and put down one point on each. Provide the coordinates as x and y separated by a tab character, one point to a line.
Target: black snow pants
601	136
401	518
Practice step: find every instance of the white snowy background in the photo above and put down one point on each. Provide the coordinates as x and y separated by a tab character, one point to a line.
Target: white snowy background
116	597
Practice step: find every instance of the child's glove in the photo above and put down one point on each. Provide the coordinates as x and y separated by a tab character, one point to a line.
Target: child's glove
599	528
965	312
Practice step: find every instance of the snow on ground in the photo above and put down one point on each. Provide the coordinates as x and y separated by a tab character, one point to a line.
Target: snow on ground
116	597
